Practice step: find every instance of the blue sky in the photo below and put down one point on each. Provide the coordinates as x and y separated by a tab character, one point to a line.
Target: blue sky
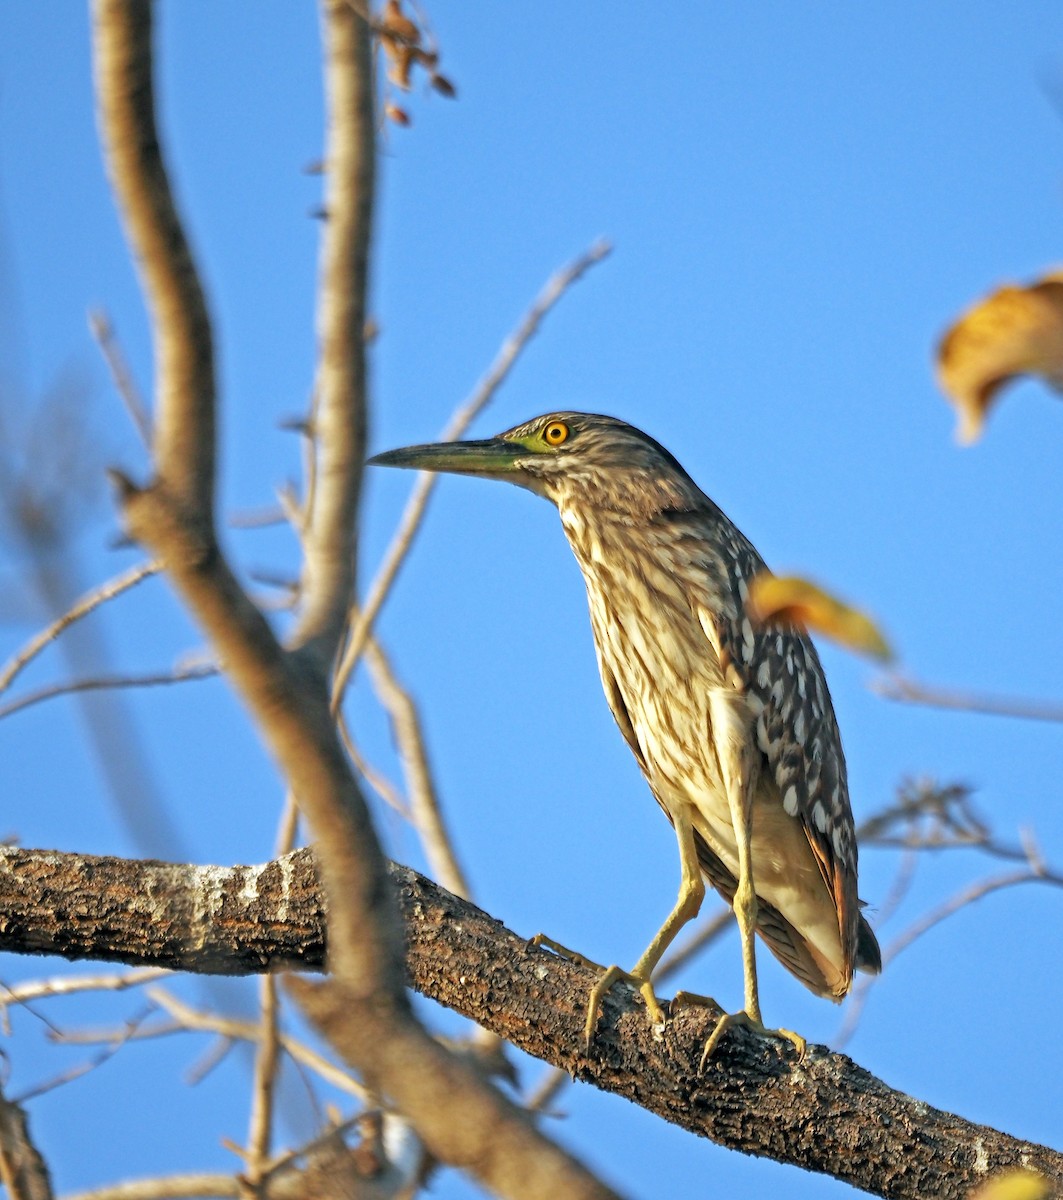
801	198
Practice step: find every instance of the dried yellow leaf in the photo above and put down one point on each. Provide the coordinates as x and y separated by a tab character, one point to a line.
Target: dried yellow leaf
791	600
1016	1184
1015	331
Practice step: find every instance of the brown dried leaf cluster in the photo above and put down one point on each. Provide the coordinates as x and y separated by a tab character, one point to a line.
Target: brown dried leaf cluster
404	45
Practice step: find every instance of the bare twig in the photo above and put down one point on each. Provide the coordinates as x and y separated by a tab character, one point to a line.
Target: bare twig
248	1031
76	1072
289	1158
265	517
69	985
165	1187
961	899
101	682
379	782
420	786
102	330
187	1019
93	600
909	691
702	937
1036	873
267	1057
340	417
362	621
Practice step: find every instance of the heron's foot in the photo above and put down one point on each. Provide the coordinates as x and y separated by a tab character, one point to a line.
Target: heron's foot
755	1025
613	975
609	977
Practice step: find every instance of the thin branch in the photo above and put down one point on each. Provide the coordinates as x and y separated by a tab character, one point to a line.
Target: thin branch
267	1057
340	416
290	1157
909	691
425	810
379	782
165	1187
362	622
70	985
265	517
93	600
190	1020
702	937
899	888
229	1027
959	900
103	331
103	682
80	1069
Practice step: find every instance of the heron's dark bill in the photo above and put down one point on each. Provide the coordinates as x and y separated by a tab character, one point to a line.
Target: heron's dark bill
492	456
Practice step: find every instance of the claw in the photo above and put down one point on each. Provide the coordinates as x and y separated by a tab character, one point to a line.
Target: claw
730	1020
609	976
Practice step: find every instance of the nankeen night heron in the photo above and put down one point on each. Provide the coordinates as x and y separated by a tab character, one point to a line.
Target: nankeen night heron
732	724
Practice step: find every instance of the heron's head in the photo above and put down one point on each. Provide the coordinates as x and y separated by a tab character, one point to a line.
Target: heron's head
573	459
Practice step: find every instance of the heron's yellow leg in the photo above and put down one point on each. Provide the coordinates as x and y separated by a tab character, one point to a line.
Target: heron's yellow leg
740	797
687	906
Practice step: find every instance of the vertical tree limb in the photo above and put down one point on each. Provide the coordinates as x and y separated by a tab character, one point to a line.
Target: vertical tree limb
339	428
184	352
461	1119
23	1171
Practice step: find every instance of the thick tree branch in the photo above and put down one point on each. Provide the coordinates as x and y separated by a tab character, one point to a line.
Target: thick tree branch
826	1114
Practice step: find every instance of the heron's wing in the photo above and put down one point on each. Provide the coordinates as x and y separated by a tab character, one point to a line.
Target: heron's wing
779	671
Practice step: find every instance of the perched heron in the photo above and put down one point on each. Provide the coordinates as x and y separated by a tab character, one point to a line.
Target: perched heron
731	724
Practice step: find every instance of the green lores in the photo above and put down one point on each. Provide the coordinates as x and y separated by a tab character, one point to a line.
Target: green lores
497	456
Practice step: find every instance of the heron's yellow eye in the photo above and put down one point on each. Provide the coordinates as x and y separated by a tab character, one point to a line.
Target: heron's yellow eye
555	433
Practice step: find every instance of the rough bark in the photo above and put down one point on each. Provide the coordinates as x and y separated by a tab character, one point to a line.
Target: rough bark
826	1114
